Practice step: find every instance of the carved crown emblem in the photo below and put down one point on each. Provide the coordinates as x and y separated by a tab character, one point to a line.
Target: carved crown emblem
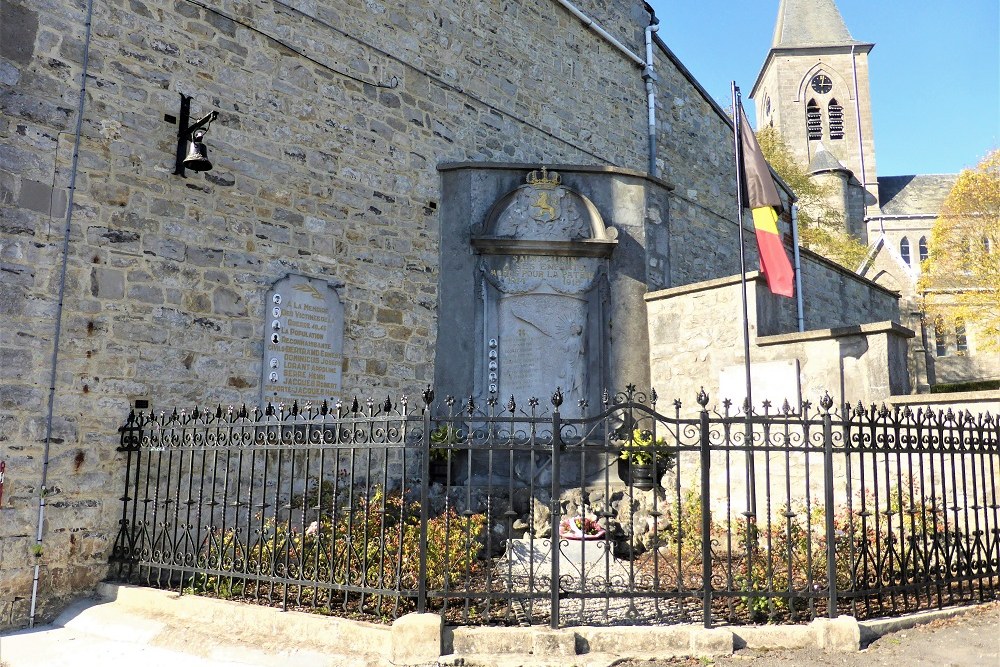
544	179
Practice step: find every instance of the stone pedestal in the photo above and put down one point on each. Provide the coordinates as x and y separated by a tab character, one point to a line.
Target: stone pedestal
583	564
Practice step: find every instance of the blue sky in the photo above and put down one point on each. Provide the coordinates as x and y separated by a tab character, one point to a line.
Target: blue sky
949	48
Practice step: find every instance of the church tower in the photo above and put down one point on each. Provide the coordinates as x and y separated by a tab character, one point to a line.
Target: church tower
813	88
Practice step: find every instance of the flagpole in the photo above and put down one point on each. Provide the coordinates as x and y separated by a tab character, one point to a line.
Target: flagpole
748	405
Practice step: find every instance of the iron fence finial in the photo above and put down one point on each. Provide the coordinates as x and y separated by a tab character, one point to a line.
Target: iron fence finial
557	398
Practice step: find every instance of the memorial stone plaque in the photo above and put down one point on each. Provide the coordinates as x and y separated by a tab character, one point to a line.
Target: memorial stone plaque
303	342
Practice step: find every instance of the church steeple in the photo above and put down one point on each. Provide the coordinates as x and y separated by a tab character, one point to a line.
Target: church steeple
813	90
810	23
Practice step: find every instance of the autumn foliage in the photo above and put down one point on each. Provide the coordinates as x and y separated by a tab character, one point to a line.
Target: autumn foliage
961	277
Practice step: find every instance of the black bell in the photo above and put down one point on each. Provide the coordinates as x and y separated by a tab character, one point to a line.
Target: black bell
197	154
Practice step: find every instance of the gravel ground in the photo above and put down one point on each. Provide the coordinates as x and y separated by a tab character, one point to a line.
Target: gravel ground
969	640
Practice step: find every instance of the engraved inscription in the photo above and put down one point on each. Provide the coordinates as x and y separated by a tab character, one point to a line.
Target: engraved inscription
526	273
305	362
543	345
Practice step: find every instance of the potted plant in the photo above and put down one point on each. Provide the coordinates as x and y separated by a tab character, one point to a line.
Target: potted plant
442	439
642	461
580	528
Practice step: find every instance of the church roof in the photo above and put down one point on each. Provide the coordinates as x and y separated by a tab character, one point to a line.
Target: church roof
807	23
922	194
824	161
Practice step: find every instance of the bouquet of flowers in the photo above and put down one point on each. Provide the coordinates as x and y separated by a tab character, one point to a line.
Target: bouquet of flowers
580	528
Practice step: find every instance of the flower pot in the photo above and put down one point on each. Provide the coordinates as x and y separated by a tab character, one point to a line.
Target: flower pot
580	529
439	471
581	536
456	464
642	477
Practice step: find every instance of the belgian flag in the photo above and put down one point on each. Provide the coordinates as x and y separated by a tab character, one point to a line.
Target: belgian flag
763	201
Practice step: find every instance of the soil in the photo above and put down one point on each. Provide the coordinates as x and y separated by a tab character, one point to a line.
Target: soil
968	640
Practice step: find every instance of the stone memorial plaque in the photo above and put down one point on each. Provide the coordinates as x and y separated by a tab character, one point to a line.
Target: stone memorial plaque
543	345
303	341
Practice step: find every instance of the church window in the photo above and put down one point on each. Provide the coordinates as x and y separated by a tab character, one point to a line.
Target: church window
904	250
940	345
835	113
814	123
961	339
922	248
987	245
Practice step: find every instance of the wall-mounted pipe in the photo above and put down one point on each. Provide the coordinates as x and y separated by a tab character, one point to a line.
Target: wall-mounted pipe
861	144
589	22
649	78
799	309
59	312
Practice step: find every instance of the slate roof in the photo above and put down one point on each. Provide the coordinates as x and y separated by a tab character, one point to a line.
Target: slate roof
922	194
805	23
824	161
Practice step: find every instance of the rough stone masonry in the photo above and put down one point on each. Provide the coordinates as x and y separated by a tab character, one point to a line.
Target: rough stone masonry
333	119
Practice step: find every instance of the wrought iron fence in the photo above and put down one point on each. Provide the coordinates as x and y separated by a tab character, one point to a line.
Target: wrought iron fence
512	514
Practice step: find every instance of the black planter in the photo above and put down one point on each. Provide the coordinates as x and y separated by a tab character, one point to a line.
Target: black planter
439	471
456	463
642	477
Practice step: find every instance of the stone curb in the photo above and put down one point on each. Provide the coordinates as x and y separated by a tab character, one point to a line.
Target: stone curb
877	627
191	620
837	634
164	617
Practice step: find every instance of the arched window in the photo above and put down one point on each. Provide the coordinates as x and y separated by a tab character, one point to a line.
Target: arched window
940	345
987	245
904	250
814	123
835	113
922	248
961	340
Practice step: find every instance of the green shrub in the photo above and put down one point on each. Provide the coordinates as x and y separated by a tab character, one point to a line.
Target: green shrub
639	449
376	545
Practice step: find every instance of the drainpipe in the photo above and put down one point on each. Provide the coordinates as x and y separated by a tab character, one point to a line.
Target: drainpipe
649	76
646	65
59	312
861	143
799	309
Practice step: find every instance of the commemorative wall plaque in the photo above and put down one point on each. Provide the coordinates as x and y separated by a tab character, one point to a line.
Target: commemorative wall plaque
303	342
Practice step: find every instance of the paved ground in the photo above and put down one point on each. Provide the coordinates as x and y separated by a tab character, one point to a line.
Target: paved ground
92	639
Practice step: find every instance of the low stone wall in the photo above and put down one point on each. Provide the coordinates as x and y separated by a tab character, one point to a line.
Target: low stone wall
695	334
975	402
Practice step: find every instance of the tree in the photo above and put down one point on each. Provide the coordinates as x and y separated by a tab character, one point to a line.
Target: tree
960	279
821	226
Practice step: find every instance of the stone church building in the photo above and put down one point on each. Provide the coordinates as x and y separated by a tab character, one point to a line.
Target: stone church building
494	198
814	89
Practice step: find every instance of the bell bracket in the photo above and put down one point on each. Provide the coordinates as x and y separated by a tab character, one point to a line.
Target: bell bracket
185	131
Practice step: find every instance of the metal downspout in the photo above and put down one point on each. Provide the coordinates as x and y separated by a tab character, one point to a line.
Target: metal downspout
799	309
647	66
649	76
861	143
59	312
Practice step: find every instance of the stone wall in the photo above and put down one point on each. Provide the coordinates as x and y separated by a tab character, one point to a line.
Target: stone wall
333	120
832	297
696	341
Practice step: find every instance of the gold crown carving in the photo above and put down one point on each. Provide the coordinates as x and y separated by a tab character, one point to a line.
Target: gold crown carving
544	179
